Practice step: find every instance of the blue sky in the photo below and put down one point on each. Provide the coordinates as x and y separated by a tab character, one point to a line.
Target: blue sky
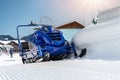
15	12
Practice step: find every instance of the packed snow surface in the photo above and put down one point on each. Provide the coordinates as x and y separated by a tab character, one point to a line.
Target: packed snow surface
70	69
6	60
102	41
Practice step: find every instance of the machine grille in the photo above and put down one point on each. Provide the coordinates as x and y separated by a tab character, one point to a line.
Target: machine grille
54	36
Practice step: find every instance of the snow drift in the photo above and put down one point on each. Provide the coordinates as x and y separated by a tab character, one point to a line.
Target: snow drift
102	41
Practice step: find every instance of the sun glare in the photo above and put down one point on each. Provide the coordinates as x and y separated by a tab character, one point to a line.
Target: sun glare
93	5
96	4
88	8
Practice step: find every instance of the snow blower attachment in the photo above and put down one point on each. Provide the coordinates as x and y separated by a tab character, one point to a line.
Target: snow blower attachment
46	43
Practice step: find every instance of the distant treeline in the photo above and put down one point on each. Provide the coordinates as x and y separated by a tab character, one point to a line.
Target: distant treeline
8	37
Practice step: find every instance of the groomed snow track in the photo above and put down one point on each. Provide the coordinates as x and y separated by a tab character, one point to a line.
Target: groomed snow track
9	75
63	70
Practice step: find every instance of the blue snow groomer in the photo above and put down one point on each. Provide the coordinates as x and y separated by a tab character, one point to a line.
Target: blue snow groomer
46	43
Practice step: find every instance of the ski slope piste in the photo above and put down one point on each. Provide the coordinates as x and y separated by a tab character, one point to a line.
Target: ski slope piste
101	41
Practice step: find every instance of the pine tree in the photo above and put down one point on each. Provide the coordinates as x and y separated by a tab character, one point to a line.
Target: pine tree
94	21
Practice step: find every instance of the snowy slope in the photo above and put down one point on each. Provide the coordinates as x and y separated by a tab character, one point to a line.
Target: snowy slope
6	60
72	69
63	70
102	40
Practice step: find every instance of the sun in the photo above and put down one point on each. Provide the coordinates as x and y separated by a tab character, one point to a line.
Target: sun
87	9
93	6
